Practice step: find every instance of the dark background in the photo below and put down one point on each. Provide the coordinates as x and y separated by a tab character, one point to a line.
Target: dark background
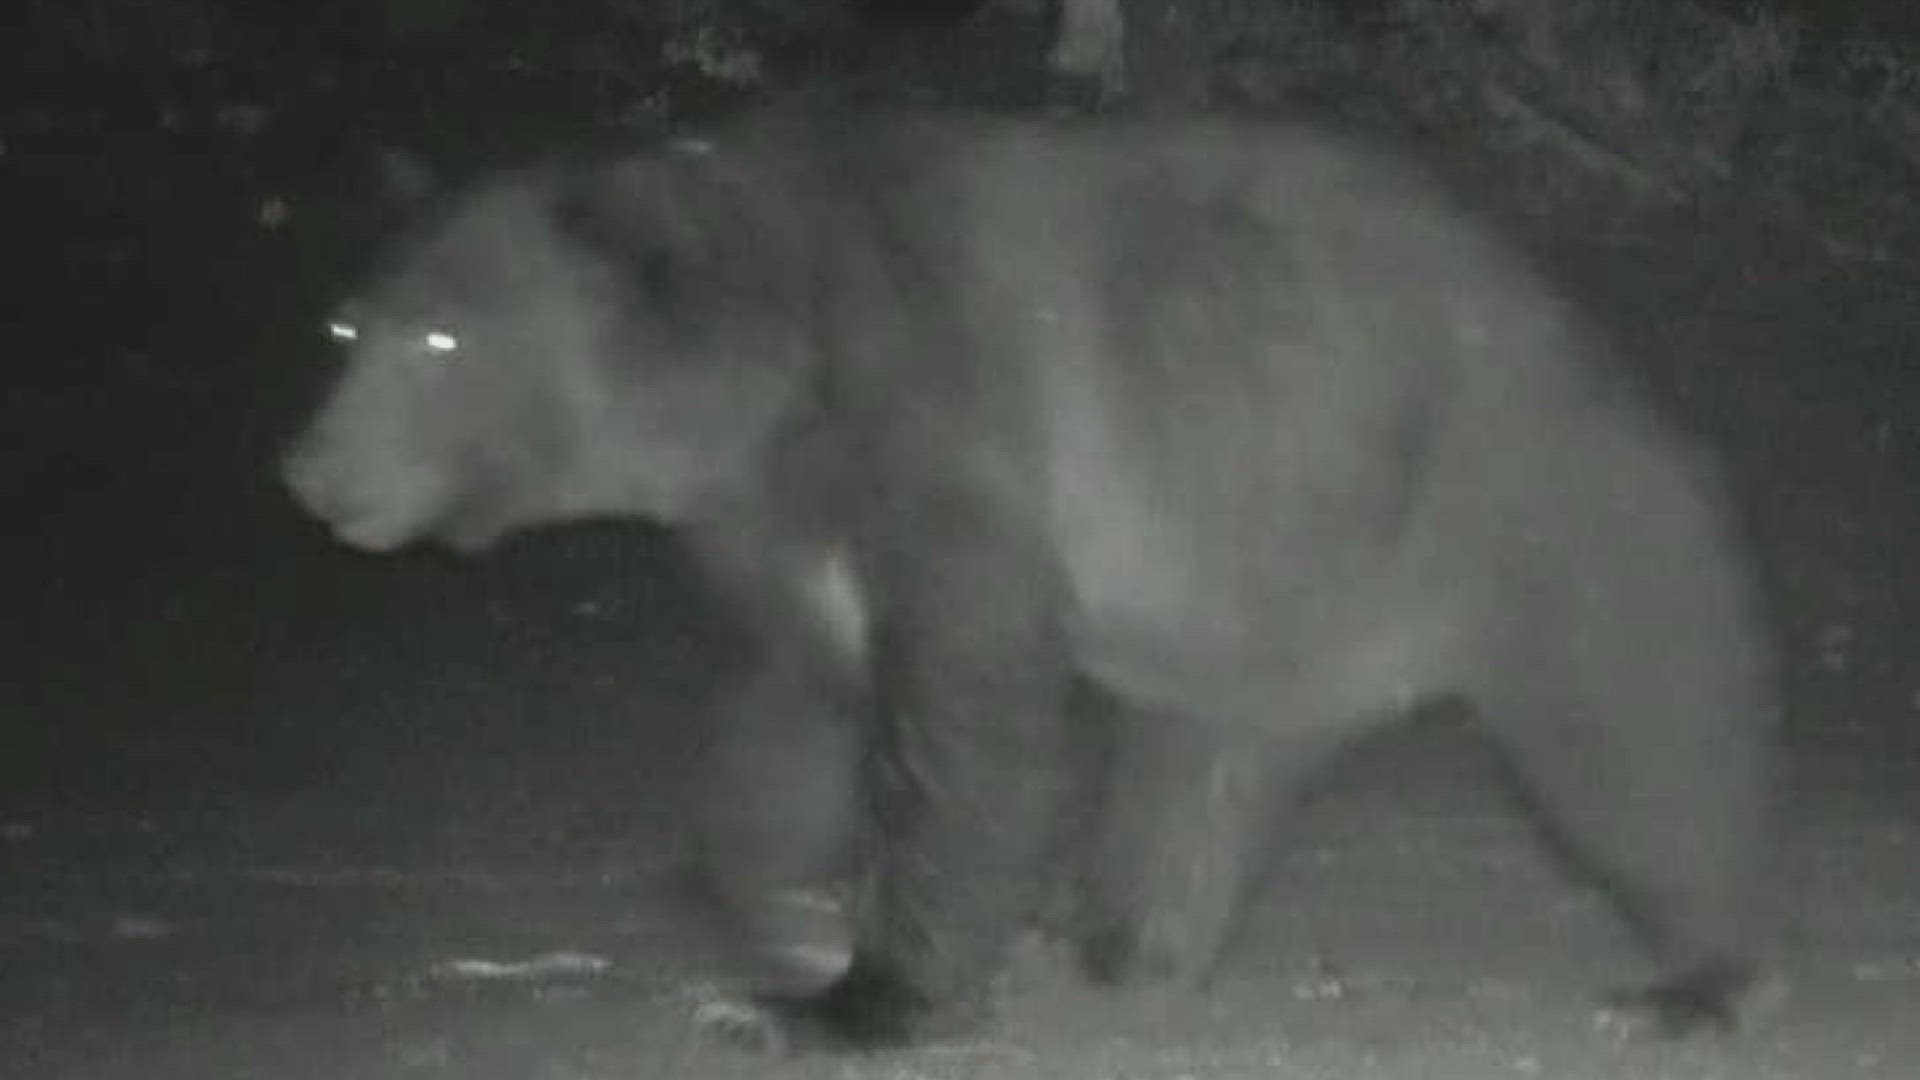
196	677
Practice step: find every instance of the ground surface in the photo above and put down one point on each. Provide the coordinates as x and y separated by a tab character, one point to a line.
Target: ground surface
279	812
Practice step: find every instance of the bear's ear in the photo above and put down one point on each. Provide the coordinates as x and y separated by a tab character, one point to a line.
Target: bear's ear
617	212
405	179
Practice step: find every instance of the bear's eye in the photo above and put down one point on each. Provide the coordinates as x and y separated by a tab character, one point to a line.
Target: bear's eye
342	331
439	342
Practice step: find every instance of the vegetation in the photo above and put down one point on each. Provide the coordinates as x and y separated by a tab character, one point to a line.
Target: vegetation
1619	103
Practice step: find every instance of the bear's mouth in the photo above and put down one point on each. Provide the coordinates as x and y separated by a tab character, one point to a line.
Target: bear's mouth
378	534
471	522
372	535
369	511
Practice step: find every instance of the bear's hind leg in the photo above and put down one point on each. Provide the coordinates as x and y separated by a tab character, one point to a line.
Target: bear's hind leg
1660	793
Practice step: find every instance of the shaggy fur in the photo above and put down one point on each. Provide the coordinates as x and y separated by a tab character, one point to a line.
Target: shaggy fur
1239	426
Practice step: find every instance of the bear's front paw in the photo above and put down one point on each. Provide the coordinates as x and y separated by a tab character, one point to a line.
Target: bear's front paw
870	1007
1718	998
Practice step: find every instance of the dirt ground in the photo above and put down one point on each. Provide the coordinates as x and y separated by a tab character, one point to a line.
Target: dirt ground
474	913
280	812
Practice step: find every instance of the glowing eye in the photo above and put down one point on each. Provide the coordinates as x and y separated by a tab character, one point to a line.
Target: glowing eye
341	331
441	342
